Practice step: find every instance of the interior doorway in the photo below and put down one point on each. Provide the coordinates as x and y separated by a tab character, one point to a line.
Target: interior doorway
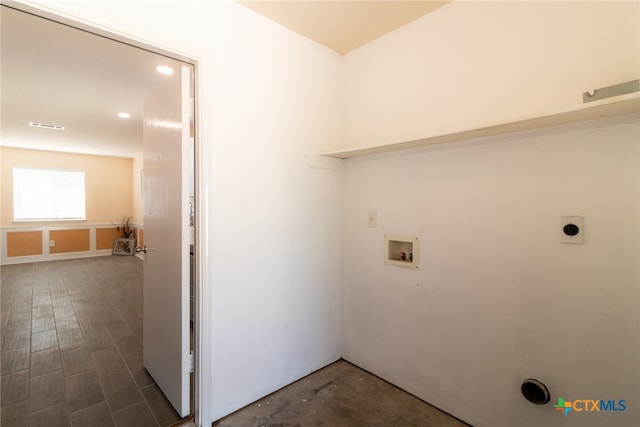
66	72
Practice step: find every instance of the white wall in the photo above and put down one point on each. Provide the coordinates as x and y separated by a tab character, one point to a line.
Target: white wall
497	298
272	297
459	332
476	63
276	224
268	97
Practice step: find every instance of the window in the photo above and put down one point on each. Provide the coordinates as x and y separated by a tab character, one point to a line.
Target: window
40	195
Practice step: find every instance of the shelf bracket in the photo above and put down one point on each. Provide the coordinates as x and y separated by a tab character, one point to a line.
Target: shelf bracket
614	90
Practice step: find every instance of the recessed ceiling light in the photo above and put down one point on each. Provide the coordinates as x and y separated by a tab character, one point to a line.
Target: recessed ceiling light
163	69
45	126
124	115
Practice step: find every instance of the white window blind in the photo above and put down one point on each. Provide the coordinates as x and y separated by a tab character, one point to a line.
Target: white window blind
41	194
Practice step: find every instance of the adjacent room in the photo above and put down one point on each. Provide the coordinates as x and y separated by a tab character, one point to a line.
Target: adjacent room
452	204
79	285
107	184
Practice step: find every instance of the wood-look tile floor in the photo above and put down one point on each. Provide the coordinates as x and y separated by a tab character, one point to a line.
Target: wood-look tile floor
72	346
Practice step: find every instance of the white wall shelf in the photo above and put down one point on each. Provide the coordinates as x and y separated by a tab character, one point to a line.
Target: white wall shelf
610	107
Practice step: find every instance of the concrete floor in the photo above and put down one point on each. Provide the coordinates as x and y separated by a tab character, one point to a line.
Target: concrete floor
340	395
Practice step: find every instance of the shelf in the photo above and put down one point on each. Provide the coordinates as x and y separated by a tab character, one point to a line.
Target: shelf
610	107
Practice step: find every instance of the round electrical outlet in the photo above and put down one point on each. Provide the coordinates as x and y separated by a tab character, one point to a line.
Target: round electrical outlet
571	229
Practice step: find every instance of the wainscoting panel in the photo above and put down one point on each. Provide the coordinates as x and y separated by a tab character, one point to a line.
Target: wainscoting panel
65	241
22	243
106	236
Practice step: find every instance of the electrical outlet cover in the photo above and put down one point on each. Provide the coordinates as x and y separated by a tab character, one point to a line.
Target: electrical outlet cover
372	219
571	230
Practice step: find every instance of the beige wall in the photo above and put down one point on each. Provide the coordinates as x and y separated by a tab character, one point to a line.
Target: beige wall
107	180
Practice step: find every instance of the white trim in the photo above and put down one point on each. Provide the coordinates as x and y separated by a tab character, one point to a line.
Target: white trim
57	257
202	253
58	226
68	16
203	343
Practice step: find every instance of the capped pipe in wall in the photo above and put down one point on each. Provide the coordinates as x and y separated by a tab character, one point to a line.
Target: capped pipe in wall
535	391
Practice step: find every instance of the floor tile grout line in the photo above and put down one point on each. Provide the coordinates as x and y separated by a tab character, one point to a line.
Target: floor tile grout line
144	399
104	394
113	341
44	283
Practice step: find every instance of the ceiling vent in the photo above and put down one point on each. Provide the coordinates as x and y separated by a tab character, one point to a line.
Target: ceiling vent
45	126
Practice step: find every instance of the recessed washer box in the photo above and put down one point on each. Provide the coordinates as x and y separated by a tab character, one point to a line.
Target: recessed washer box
401	251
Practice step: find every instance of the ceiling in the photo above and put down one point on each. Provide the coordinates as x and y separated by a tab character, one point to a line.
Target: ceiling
58	75
343	25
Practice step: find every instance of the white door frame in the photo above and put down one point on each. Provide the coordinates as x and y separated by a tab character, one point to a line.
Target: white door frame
203	345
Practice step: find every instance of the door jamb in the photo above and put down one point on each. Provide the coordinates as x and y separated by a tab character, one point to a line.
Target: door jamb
201	151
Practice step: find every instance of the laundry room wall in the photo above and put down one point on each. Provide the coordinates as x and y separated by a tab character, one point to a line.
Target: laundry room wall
268	99
497	297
